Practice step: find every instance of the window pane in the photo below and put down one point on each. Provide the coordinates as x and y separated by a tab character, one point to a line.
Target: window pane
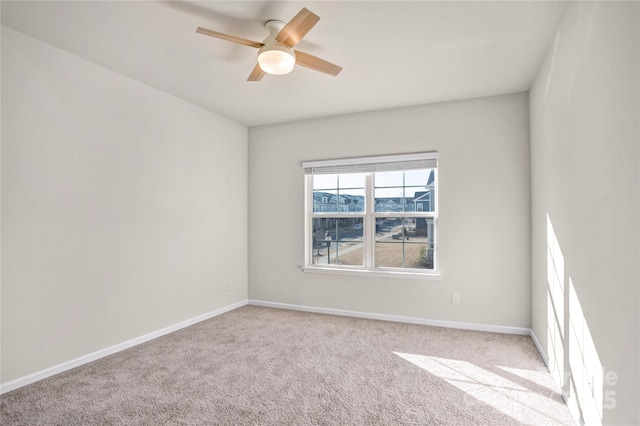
388	199
416	177
325	182
423	199
389	192
392	200
325	201
383	179
351	180
338	241
351	200
404	243
417	199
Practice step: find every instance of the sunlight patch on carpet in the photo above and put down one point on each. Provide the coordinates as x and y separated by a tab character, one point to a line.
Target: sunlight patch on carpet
532	403
538	377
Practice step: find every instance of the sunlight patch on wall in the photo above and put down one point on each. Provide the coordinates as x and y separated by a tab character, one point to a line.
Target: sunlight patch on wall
583	380
587	374
525	404
555	306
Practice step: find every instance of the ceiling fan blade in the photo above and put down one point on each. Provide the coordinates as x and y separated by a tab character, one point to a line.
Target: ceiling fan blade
297	27
315	63
229	37
256	74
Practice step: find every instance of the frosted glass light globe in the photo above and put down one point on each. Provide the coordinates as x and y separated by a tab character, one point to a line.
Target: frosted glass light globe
276	60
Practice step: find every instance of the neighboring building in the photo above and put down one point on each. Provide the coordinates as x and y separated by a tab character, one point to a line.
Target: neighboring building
327	202
394	204
425	200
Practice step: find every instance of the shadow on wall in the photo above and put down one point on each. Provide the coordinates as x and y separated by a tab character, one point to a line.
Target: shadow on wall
570	344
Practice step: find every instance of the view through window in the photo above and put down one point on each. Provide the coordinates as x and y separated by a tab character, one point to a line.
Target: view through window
375	213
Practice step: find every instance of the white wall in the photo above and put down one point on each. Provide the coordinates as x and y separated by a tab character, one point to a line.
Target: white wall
123	208
484	224
584	153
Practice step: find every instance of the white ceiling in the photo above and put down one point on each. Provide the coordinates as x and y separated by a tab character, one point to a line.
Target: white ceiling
393	53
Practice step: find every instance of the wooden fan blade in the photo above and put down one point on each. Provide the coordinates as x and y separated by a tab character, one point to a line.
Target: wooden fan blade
229	37
315	63
256	74
297	27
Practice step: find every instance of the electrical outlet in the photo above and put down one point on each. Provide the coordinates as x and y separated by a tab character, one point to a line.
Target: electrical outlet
229	284
455	298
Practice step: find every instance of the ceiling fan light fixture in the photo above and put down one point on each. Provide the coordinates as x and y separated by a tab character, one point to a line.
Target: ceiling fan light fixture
276	59
276	54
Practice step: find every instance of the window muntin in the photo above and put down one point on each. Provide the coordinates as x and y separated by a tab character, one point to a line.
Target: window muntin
373	216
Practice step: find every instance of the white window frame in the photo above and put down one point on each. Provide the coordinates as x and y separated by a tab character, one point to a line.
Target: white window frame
370	165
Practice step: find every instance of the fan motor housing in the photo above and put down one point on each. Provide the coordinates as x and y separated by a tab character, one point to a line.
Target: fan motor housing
274	26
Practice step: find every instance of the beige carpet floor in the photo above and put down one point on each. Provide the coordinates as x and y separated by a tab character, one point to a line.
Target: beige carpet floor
262	366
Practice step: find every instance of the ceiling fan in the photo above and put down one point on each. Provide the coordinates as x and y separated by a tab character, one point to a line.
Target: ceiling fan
276	54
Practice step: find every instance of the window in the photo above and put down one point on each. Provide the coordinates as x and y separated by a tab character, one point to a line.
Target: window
372	215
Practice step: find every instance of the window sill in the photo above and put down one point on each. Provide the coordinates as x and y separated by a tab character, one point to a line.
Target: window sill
427	276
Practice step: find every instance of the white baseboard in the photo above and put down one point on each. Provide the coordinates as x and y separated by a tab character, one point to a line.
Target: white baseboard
68	365
384	317
536	342
561	390
48	372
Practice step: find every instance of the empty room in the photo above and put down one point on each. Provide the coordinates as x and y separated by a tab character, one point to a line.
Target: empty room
324	212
